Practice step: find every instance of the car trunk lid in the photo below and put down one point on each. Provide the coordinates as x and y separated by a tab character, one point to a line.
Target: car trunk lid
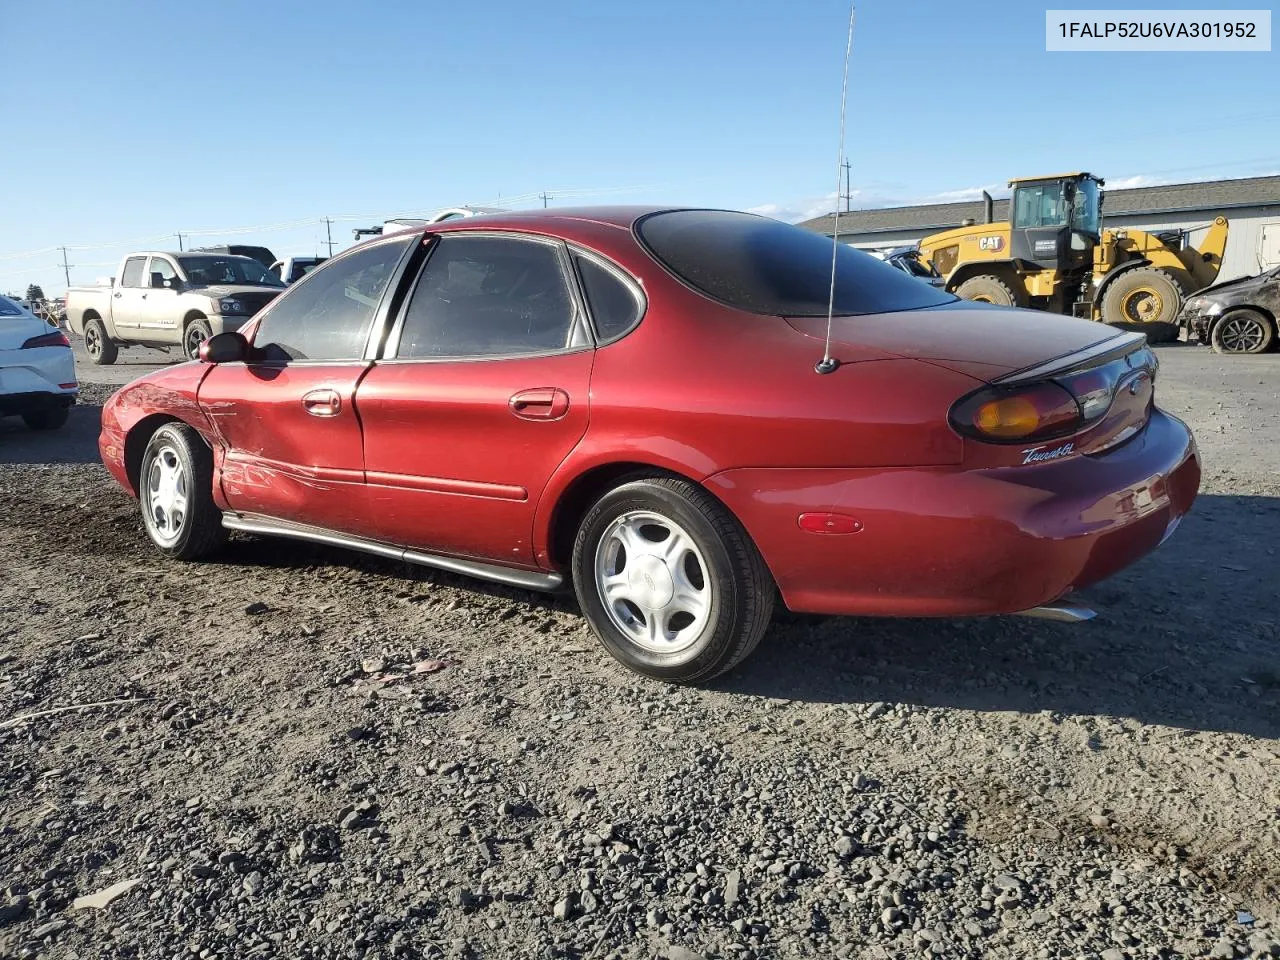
976	339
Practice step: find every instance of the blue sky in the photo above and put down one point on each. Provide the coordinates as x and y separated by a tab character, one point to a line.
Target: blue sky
129	122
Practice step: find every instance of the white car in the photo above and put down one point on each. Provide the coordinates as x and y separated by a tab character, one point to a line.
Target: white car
37	369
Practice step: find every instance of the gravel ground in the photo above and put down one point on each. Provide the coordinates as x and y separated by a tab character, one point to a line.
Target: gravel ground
323	755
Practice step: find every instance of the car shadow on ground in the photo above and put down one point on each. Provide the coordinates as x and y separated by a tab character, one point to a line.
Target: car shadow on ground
1189	637
76	442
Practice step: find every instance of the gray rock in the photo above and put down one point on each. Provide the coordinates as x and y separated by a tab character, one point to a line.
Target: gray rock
14	909
732	887
564	908
50	929
844	848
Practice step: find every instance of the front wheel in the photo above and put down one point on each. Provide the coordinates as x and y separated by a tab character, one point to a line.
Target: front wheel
1145	299
175	490
670	582
1242	331
196	333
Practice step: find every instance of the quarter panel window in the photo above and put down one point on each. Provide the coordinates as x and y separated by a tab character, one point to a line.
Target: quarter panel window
614	306
487	297
132	276
327	316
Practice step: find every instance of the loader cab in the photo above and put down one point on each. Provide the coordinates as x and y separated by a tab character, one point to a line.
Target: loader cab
1055	221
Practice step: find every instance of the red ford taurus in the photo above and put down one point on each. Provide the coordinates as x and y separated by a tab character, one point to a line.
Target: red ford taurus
631	401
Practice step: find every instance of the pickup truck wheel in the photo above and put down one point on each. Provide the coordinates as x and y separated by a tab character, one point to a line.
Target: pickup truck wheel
97	344
175	490
670	582
196	333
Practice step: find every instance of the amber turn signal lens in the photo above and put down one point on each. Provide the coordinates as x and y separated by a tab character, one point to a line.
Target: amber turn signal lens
1007	417
1036	412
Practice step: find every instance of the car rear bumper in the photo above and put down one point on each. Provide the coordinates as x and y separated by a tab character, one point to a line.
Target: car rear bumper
944	541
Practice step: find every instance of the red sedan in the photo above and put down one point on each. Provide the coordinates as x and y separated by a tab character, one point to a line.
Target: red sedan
631	401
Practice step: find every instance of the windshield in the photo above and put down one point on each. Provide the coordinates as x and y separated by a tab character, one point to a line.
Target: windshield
1084	207
207	270
764	266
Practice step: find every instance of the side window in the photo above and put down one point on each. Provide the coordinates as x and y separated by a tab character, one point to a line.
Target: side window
615	307
132	276
160	271
489	297
328	317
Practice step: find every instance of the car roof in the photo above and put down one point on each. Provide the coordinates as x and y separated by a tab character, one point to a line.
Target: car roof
186	253
614	216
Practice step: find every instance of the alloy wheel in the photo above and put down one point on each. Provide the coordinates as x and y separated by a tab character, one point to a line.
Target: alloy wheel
1242	335
652	580
166	494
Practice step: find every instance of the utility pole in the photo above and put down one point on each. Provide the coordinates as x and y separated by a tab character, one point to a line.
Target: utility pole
545	198
848	193
66	267
328	234
179	243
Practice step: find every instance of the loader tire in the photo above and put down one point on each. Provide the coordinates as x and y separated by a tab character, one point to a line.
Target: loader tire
989	288
1147	300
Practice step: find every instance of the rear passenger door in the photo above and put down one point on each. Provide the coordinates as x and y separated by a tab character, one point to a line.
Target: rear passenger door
482	393
129	299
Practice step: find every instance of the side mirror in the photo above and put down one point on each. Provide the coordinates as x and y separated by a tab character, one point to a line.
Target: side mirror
229	347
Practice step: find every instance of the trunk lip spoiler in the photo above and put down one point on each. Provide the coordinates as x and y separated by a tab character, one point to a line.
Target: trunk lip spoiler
1095	354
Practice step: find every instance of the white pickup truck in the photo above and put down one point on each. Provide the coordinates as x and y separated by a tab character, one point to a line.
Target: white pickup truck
160	299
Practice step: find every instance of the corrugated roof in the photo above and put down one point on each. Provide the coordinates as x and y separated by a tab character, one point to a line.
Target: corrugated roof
1211	197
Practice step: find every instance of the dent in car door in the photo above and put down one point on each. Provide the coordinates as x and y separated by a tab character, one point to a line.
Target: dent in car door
291	441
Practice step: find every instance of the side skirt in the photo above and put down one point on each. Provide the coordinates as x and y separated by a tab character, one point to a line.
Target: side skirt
269	526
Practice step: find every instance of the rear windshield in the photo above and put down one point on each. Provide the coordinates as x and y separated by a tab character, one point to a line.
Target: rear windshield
764	266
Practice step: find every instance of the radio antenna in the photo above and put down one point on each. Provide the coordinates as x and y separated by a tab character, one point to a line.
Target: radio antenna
828	363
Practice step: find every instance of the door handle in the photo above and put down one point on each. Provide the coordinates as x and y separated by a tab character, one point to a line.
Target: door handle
118	295
540	403
322	403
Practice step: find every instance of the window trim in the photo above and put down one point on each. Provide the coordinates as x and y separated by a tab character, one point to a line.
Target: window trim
581	322
627	280
379	312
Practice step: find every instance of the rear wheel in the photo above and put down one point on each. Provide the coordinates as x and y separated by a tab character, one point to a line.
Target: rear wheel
989	288
670	582
97	344
49	419
1242	331
1146	300
175	490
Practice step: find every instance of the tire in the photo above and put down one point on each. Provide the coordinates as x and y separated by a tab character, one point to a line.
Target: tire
1242	331
989	288
728	595
193	334
1147	300
177	464
101	349
50	418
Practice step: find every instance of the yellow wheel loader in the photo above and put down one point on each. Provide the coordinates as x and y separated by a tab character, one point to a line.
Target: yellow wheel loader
1054	254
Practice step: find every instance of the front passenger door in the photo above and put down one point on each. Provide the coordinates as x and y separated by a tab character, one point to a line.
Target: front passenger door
128	301
291	444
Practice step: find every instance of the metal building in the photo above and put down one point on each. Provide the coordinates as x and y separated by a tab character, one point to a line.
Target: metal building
1252	205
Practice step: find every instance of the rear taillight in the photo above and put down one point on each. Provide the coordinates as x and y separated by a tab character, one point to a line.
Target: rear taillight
1057	406
56	339
1036	412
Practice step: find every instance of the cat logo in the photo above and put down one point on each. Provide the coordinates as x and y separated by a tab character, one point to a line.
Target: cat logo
995	243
